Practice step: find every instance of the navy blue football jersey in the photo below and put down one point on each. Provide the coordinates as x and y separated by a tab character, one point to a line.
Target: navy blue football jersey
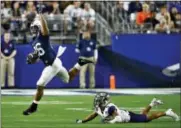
86	47
7	48
45	50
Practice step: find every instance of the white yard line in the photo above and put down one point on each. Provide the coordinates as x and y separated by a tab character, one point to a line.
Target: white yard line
82	92
124	108
40	120
42	102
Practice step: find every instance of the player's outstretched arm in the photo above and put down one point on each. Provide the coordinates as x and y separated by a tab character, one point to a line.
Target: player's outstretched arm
44	28
88	118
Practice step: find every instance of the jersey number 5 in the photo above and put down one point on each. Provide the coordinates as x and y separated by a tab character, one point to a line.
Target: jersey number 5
40	50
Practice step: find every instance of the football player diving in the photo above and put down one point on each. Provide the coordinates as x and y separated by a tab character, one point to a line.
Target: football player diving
110	113
53	65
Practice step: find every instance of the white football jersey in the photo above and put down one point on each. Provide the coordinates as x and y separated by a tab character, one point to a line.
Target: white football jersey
122	114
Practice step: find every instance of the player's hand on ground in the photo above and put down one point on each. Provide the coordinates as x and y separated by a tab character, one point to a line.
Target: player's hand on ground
79	121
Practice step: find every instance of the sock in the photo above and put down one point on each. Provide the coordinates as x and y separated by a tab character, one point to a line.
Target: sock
151	104
35	102
166	113
77	66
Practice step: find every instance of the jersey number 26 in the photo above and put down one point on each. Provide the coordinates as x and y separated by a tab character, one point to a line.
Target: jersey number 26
40	50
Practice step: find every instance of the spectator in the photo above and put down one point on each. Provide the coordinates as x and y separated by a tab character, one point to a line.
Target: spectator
87	49
8	53
173	14
30	7
72	16
88	17
50	7
163	15
152	6
120	12
15	20
164	18
6	11
176	4
22	5
42	5
178	22
63	5
16	10
134	7
141	16
163	27
151	22
55	9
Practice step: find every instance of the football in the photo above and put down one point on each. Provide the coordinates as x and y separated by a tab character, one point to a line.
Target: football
32	57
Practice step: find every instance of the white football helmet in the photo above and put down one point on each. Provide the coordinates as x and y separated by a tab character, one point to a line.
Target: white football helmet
35	27
101	100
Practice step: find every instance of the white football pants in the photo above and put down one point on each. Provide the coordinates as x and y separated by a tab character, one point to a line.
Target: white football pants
56	69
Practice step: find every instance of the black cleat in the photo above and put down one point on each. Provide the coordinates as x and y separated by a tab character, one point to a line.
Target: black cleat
82	61
31	109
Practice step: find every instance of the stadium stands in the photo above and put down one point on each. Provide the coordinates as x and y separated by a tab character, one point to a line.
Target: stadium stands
164	17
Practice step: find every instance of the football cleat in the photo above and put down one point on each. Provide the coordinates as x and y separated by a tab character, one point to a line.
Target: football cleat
172	114
82	61
30	110
156	102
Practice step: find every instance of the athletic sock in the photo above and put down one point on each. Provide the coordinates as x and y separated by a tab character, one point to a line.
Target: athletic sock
77	66
151	104
35	102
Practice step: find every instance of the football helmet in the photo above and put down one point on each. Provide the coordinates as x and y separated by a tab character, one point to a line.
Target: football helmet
35	28
101	100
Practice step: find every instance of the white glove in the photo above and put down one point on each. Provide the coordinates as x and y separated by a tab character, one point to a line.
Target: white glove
79	121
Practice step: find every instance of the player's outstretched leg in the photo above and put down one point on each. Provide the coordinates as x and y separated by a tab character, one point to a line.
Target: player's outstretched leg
169	113
34	105
153	103
75	70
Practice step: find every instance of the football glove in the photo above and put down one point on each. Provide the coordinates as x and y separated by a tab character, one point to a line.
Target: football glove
79	121
32	57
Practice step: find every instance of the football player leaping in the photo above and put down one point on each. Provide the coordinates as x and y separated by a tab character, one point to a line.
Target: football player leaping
53	65
110	113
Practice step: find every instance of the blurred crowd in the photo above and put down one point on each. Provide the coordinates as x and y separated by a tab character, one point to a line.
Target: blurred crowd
159	16
76	14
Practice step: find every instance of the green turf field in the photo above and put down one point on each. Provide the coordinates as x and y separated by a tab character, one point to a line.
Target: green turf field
61	111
